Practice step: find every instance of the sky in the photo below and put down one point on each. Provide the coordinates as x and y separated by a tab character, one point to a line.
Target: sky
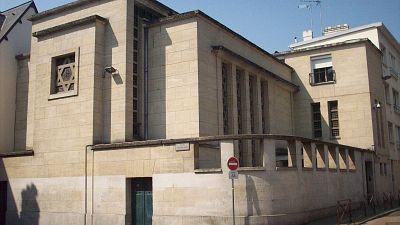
273	24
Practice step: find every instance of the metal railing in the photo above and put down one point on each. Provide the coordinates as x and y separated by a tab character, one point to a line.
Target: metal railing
343	211
322	78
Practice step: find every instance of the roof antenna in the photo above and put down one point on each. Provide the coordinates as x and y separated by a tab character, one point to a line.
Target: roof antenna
309	5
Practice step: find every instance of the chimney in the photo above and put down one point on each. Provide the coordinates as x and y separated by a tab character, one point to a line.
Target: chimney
307	35
335	29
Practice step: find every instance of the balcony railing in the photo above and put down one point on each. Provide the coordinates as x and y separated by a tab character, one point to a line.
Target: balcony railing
326	77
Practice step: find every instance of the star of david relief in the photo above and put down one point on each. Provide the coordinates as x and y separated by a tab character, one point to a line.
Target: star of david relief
66	76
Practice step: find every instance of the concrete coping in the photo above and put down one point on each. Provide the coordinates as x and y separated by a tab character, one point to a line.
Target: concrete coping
122	145
65	26
17	154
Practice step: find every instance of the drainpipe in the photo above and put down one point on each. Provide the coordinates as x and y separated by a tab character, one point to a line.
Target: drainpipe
86	182
146	82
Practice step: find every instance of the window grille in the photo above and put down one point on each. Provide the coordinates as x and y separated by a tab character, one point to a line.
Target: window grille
316	118
334	118
64	74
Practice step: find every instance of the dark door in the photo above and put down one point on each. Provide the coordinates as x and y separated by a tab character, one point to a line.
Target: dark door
369	173
142	202
3	202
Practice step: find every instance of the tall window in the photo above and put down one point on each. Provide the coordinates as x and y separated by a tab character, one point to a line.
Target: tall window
390	131
396	103
264	106
225	102
140	14
398	136
387	94
240	104
316	118
322	71
392	61
334	118
383	49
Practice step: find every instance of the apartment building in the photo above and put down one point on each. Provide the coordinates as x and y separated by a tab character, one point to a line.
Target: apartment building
354	72
134	108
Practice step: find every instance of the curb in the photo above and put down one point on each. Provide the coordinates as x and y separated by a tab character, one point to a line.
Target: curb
377	216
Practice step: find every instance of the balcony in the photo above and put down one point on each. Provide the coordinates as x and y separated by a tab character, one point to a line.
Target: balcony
321	78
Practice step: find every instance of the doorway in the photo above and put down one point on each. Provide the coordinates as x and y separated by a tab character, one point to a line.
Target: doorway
142	201
3	202
369	173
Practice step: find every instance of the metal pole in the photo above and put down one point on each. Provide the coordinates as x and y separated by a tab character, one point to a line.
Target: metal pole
233	202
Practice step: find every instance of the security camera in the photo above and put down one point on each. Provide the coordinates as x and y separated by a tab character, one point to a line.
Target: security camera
110	69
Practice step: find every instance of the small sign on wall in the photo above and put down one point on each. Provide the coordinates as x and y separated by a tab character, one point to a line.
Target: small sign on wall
182	146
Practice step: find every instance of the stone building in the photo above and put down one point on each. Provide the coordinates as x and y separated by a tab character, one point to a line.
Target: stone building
357	69
132	110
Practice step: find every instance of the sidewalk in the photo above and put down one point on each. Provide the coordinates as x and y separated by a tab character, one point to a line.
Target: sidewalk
382	217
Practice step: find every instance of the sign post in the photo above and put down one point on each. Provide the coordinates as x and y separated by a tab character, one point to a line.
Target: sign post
233	165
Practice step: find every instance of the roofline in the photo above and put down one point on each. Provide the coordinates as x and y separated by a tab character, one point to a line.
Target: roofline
344	43
61	8
31	5
199	13
355	29
76	4
164	6
31	1
386	31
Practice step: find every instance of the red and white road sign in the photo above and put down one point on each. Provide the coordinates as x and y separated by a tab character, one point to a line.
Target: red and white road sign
233	163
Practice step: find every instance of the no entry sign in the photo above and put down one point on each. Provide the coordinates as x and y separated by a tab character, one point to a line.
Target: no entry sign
233	163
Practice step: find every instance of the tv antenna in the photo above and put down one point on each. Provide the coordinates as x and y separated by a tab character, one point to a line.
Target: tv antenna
309	4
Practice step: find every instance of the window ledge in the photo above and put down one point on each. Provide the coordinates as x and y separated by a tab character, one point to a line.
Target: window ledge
323	83
286	168
63	95
251	169
335	138
209	170
16	154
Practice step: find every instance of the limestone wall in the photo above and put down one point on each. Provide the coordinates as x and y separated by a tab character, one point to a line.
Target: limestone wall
351	90
210	83
173	80
18	43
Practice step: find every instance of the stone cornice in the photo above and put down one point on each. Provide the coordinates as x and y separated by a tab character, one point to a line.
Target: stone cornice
65	26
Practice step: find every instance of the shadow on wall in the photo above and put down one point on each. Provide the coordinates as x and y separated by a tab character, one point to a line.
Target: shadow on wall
29	206
252	200
10	214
